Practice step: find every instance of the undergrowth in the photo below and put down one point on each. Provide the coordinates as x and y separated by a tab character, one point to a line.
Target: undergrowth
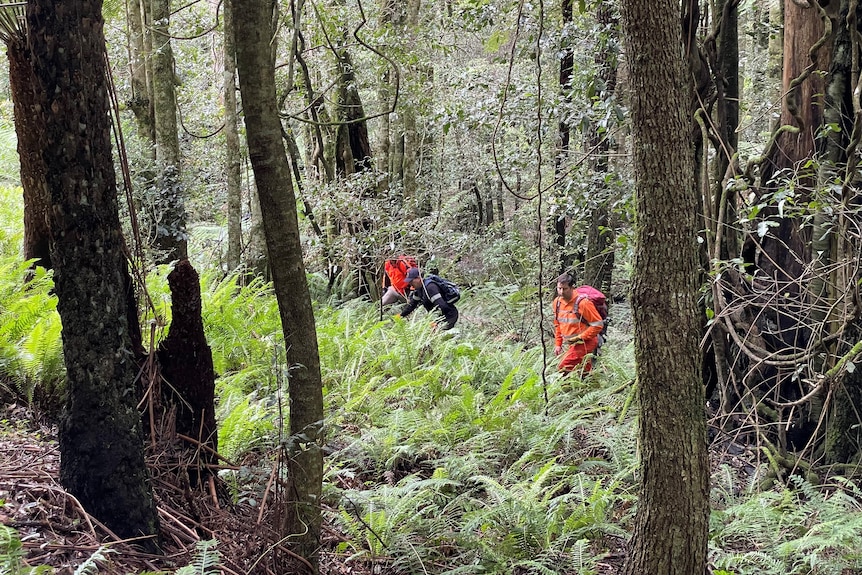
447	452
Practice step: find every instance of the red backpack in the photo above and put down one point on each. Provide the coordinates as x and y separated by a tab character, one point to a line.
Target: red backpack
599	300
404	263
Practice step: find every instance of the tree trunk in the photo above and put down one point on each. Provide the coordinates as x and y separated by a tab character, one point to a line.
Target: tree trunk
408	109
170	215
140	44
186	364
727	114
37	203
385	95
302	521
233	159
101	449
564	137
671	525
599	263
784	248
498	204
353	148
256	256
829	263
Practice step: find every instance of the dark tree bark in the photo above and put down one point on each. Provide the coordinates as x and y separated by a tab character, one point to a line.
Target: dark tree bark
186	364
22	85
671	525
353	150
102	461
302	520
727	115
599	262
564	136
835	249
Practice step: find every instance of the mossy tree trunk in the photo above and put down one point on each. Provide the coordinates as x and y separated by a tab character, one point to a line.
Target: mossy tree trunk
140	46
232	149
169	213
671	524
302	519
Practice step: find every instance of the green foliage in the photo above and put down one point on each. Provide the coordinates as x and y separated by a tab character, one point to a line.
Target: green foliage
9	165
31	360
12	219
91	565
11	553
474	471
205	561
242	323
802	529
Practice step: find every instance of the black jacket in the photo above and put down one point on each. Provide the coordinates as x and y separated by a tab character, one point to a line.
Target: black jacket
430	297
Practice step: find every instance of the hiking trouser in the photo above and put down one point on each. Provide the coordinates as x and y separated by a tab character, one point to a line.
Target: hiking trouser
393	296
575	355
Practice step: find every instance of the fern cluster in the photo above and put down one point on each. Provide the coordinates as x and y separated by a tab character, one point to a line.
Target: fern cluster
448	452
801	529
31	359
447	458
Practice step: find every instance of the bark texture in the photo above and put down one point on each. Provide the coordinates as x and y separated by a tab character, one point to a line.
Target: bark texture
302	519
22	86
102	460
232	149
187	365
169	213
671	525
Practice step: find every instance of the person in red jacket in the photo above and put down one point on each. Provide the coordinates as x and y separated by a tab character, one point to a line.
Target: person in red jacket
577	323
395	279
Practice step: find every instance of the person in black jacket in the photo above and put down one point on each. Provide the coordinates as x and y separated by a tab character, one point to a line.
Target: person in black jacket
427	292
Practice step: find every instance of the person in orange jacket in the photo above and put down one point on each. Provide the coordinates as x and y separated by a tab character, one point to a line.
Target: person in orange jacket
395	279
577	323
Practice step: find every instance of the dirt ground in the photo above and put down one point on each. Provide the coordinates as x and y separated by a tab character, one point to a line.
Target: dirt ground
55	530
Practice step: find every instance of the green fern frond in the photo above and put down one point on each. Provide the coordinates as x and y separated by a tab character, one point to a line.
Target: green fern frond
205	561
11	551
92	564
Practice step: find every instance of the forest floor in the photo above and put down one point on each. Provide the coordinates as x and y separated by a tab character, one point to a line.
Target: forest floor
55	530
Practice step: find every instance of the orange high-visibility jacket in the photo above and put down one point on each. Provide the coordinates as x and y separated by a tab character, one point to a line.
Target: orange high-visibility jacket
575	318
396	272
